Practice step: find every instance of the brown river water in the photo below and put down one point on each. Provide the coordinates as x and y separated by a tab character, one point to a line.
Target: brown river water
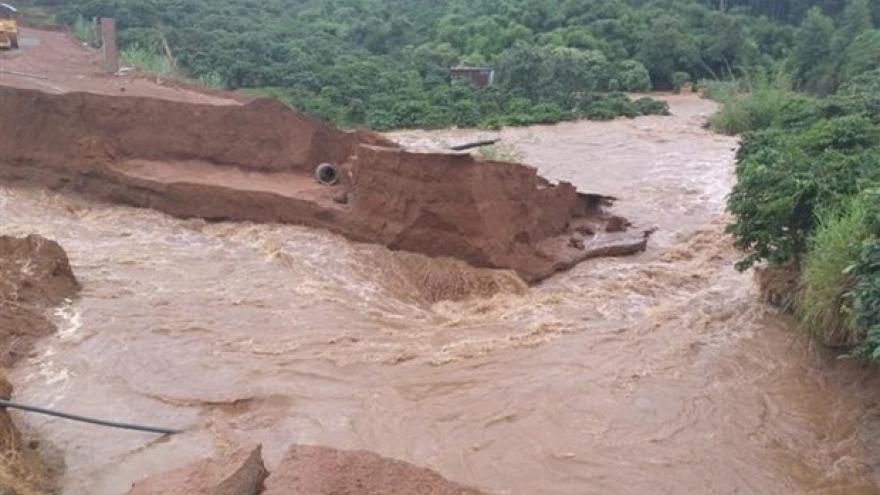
655	374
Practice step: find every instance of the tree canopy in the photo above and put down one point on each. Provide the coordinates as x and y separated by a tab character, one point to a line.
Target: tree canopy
384	63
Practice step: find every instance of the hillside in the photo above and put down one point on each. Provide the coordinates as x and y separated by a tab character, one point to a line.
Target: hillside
384	64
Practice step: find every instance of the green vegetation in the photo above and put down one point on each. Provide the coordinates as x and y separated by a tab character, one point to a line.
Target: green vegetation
86	31
36	16
786	175
865	296
825	299
808	174
143	58
384	64
753	104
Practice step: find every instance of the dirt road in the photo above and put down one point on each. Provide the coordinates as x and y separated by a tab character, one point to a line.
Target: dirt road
54	62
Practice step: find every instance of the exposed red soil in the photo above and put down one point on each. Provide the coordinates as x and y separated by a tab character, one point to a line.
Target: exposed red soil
54	62
35	275
238	472
495	215
308	470
305	470
255	162
206	156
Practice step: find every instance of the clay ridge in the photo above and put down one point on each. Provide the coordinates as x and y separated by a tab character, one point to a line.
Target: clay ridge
256	162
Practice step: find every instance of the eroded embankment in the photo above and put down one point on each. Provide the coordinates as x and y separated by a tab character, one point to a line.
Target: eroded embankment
34	276
255	162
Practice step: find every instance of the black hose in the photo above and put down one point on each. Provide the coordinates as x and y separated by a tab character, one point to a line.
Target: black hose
111	424
477	144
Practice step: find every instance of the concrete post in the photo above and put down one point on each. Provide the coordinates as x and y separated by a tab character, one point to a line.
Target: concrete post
108	41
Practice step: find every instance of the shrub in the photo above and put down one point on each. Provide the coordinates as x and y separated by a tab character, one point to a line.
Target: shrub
679	79
782	178
86	31
720	91
865	296
633	77
839	298
758	109
822	303
148	60
647	106
598	111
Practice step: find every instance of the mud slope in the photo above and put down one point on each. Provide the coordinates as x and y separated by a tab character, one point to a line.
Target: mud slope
34	275
255	162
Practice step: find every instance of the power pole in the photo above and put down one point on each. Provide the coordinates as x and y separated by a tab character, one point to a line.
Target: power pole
108	41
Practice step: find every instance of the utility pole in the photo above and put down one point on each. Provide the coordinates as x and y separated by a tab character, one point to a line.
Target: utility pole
108	42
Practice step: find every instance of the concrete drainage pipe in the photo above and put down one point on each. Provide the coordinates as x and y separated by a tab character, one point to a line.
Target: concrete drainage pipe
327	174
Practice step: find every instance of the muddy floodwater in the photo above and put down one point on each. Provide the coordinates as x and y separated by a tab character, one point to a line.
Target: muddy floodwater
655	374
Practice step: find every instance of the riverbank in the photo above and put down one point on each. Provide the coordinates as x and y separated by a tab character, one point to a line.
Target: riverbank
35	276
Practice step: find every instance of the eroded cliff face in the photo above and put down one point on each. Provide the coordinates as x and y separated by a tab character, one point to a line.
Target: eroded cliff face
490	214
91	130
35	275
256	162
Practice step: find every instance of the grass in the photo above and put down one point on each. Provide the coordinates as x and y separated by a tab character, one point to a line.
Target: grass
749	104
822	304
86	31
147	60
502	152
11	479
151	62
721	91
212	80
17	474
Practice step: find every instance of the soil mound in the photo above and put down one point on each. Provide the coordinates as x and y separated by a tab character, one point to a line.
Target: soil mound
239	472
308	470
305	470
258	161
35	274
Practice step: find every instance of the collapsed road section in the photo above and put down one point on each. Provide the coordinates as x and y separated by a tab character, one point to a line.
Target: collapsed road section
263	162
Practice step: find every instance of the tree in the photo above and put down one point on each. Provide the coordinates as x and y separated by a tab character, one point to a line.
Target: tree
862	55
811	55
379	53
665	48
784	176
633	77
856	20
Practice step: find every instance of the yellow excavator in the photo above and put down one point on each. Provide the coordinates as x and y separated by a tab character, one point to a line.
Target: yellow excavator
8	27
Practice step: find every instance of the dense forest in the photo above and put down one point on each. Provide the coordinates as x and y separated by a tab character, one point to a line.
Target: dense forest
384	64
800	79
